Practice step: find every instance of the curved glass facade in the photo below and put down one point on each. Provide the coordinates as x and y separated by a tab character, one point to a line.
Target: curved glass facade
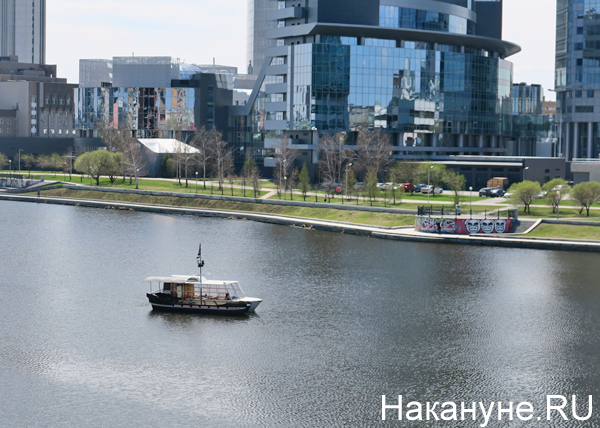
349	87
186	71
401	17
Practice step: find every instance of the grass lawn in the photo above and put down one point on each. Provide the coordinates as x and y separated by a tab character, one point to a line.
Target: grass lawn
360	217
566	232
567	203
540	212
156	185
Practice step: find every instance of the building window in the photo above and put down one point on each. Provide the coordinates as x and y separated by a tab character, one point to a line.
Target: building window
1	130
8	130
590	93
8	121
578	94
1	121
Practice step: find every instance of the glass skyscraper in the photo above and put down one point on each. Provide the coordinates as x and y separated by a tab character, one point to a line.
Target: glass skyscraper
23	30
578	77
432	74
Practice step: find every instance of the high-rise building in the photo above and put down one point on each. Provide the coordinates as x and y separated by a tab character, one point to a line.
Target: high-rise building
23	30
432	74
577	78
256	28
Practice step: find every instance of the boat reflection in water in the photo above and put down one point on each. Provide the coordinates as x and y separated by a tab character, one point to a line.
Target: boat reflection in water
196	294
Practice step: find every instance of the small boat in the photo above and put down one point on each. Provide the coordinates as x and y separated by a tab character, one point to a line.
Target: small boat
196	294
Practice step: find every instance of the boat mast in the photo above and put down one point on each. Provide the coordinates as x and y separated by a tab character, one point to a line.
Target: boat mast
200	262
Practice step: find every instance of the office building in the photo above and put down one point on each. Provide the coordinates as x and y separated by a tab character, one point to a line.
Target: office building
23	30
42	104
577	78
257	25
153	97
432	74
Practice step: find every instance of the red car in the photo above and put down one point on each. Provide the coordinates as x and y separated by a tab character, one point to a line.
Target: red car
409	188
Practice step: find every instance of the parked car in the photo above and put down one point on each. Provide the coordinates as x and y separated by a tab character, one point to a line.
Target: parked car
409	188
497	193
430	189
418	187
486	192
359	185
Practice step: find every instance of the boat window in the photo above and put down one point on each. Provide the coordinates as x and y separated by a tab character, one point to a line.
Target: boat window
167	286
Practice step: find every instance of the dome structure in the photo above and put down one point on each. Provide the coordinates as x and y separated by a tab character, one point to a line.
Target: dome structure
186	71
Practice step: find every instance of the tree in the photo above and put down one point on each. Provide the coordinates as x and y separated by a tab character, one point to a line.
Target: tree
97	163
371	184
524	193
407	171
231	178
204	139
432	174
28	161
256	181
586	194
373	150
292	181
455	182
133	159
109	135
186	154
247	171
286	155
332	155
3	160
556	190
304	181
220	155
349	181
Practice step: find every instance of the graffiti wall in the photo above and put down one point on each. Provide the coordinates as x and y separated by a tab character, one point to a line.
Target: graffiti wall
462	226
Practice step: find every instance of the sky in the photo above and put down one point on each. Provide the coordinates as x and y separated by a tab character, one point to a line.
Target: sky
196	31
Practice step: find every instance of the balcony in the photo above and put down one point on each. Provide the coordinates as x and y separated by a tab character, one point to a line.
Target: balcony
276	106
274	125
276	88
275	70
277	51
294	12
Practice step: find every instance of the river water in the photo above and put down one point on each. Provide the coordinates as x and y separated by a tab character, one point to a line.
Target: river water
345	320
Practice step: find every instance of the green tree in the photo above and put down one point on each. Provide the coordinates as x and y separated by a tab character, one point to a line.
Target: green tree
586	194
455	182
524	193
432	174
248	172
371	184
304	181
407	171
98	163
28	161
3	160
556	190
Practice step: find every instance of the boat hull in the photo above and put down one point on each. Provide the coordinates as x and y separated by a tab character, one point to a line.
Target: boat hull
201	307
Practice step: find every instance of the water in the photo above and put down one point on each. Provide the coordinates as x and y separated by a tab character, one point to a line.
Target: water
344	320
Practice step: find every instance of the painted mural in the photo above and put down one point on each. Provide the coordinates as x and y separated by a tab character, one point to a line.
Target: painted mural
461	226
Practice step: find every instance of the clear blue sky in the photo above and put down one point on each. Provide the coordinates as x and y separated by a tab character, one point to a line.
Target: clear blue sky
196	31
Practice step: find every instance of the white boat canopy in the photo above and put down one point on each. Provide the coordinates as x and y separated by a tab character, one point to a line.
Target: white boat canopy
184	279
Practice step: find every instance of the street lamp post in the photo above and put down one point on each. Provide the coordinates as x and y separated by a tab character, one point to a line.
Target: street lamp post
557	203
348	165
470	202
20	150
137	174
428	183
10	172
196	182
285	188
524	172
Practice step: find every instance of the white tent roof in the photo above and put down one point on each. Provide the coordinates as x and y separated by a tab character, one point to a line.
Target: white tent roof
167	145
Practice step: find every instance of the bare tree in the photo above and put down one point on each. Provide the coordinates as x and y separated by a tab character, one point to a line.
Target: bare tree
286	156
332	155
204	139
220	154
185	153
110	136
373	150
133	160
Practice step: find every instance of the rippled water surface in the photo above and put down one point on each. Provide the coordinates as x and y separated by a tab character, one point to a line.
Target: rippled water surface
344	320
